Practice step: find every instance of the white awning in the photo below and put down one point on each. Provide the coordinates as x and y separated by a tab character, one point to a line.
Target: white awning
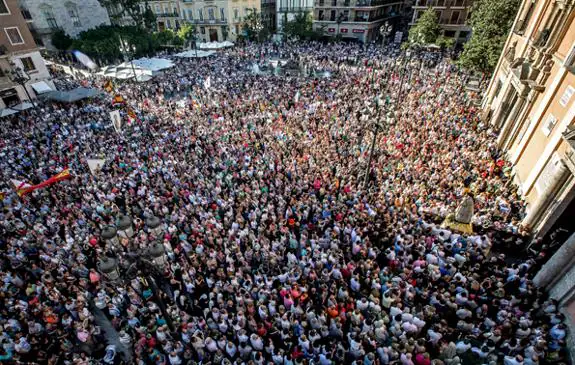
41	87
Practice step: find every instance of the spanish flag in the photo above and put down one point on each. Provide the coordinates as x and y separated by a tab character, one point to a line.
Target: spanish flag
23	188
132	114
118	99
109	86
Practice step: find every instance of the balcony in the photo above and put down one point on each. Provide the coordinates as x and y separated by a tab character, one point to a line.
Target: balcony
26	14
432	3
209	21
372	3
294	9
167	15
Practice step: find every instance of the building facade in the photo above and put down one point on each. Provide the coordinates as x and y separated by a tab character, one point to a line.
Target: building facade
530	102
355	19
269	14
167	14
453	16
71	16
18	51
218	20
286	10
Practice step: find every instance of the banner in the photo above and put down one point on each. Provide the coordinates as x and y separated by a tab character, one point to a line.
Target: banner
109	86
207	83
23	188
118	99
85	60
116	120
95	165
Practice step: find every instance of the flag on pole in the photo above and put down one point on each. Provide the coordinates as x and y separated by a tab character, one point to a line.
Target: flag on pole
118	99
132	117
85	60
207	83
109	86
23	188
95	164
296	98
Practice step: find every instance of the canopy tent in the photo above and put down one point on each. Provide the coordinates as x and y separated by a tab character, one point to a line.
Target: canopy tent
6	112
25	105
215	45
195	53
41	87
153	64
126	71
72	95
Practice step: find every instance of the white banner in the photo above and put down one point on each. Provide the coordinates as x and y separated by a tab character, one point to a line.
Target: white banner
116	120
95	165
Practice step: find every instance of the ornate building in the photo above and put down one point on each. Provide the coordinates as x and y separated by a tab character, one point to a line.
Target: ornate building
530	102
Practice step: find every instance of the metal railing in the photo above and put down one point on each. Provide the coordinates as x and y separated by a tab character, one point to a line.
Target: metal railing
167	15
368	3
209	21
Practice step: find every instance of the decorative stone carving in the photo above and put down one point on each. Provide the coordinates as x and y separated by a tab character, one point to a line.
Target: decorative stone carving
510	54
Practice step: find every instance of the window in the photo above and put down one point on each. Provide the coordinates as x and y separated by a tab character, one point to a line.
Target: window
498	88
48	15
454	17
211	15
570	60
320	15
222	14
4	8
168	24
158	9
236	13
184	15
549	125
200	15
203	30
332	15
14	35
27	64
72	10
190	14
566	96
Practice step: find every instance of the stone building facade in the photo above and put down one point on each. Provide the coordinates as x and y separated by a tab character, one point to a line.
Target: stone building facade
72	16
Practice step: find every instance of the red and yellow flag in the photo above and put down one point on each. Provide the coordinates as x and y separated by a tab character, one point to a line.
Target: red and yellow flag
25	188
118	99
109	86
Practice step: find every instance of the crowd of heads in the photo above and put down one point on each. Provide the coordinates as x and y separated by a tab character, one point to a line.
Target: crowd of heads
299	218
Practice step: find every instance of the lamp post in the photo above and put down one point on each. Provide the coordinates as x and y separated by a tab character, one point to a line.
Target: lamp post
18	75
129	51
385	31
150	261
377	126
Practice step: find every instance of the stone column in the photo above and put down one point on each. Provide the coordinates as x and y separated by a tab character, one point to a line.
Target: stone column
556	264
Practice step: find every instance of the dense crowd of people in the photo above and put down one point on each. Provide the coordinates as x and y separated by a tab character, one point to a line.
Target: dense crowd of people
286	240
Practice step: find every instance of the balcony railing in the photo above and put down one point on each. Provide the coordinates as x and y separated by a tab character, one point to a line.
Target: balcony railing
209	21
369	3
168	15
441	3
295	9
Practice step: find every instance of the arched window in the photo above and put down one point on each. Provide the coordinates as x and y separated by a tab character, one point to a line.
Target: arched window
72	11
48	14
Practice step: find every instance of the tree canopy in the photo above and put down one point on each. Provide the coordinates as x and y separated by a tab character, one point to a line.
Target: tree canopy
187	33
491	21
61	41
426	30
301	26
143	17
254	27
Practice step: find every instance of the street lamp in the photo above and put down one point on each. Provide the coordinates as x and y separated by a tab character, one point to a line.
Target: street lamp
158	255
385	31
125	229
377	127
154	225
109	267
109	235
17	75
129	51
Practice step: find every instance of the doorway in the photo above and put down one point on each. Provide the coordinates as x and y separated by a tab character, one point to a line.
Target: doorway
213	35
10	97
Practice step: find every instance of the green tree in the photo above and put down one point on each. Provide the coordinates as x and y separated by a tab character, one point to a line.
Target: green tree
426	30
253	26
188	34
491	21
301	26
61	41
142	17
